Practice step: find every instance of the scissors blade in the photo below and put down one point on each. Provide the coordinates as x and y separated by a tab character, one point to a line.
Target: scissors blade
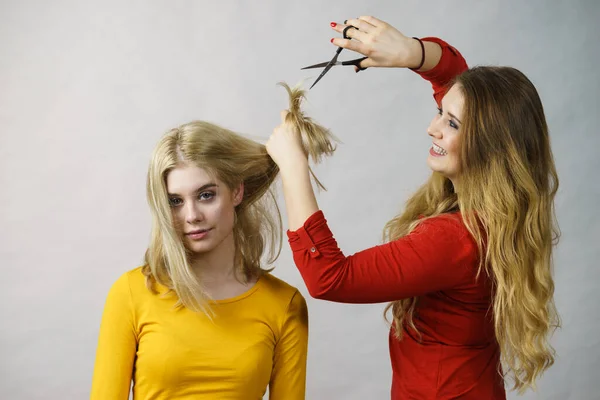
327	68
319	65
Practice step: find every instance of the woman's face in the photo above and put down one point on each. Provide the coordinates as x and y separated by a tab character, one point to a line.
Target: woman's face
203	207
444	154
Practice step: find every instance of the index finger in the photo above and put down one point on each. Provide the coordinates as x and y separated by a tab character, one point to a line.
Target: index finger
360	24
354	45
358	33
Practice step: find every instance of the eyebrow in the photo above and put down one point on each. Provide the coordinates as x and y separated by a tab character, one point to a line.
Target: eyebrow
200	189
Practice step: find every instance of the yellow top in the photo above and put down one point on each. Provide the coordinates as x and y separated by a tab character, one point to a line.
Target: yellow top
255	340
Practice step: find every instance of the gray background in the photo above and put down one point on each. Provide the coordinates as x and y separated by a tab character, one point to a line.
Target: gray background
86	90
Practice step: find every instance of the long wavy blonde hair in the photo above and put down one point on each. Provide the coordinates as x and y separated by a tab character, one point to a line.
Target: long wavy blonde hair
233	159
508	182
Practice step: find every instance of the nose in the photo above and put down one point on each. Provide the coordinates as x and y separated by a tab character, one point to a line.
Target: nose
434	129
192	214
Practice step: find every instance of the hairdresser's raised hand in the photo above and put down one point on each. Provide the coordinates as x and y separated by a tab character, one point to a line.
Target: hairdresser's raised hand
384	45
285	146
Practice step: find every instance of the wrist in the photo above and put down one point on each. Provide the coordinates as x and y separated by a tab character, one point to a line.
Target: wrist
294	167
416	56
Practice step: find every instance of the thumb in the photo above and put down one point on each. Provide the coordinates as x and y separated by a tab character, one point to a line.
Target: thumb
364	64
283	114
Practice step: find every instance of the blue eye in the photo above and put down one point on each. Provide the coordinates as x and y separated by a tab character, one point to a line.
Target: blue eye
174	201
206	196
450	122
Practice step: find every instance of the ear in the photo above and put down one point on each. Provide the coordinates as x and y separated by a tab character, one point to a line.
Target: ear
238	195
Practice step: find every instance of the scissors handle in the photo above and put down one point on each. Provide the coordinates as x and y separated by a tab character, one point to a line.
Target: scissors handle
345	34
355	62
345	31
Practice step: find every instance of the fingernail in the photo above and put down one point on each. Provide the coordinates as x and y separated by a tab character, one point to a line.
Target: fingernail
331	40
333	24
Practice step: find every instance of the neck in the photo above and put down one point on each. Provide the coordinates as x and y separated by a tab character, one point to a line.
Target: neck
216	266
455	184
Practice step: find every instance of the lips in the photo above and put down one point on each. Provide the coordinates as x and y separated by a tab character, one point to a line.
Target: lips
197	234
197	231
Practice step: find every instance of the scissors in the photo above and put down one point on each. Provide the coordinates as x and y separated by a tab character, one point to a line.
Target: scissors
334	61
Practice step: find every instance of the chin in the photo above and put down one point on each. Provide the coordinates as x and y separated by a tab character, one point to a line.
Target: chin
440	166
433	165
199	248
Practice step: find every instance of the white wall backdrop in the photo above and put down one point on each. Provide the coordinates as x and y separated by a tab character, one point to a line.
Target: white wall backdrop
87	88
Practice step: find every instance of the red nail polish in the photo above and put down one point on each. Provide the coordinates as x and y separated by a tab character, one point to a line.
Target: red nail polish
331	40
333	24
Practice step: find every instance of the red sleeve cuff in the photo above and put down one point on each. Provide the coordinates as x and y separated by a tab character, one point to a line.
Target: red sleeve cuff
309	236
451	64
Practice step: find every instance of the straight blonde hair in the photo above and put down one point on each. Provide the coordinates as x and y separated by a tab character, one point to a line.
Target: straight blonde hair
233	159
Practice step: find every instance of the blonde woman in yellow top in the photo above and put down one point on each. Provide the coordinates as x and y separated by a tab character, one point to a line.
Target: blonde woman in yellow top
201	319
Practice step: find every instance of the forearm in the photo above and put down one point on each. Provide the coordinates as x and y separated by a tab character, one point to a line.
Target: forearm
429	259
298	194
445	63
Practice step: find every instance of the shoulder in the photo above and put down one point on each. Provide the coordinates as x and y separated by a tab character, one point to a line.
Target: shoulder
133	277
278	287
129	284
285	301
280	291
448	234
449	225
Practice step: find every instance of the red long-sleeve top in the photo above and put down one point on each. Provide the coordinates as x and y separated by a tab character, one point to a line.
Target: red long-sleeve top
457	355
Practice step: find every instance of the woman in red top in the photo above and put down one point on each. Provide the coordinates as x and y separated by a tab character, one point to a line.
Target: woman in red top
467	265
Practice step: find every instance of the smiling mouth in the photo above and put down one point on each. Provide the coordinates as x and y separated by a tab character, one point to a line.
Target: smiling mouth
438	150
